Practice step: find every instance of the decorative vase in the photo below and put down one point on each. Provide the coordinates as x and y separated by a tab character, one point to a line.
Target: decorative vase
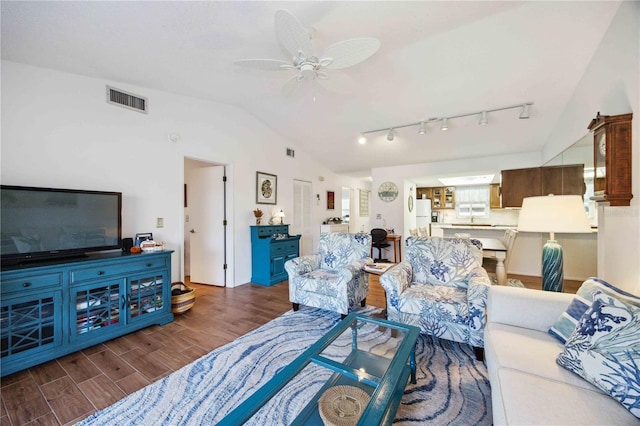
258	220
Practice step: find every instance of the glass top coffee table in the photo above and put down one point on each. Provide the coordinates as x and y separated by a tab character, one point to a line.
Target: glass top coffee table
355	374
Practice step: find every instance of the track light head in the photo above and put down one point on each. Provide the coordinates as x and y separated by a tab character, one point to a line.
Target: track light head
483	119
362	139
390	135
444	121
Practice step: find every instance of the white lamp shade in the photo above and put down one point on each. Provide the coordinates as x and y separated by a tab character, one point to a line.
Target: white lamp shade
553	213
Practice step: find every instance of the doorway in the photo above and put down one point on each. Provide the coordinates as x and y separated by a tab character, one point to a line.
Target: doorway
205	251
346	214
302	199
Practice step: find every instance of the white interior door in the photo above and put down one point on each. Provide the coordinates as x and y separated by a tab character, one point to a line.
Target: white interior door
301	224
206	225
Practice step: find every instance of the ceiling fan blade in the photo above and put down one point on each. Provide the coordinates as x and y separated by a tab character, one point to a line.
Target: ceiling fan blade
337	82
291	35
291	85
348	53
264	64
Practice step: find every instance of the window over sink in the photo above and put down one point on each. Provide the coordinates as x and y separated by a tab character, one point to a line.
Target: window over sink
472	201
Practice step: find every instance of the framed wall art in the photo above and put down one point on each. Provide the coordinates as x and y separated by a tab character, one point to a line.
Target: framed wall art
266	188
364	202
331	200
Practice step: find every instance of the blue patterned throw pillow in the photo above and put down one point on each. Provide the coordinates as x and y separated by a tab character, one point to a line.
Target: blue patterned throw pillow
604	349
566	323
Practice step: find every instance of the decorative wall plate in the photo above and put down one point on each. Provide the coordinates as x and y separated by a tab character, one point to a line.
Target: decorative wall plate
410	203
388	191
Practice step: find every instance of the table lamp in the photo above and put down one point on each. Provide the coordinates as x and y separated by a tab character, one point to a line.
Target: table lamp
280	214
553	213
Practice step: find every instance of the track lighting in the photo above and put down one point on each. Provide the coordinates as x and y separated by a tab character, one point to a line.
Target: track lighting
390	135
444	121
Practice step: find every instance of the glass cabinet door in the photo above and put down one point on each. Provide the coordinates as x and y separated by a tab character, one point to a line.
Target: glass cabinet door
146	295
29	323
94	307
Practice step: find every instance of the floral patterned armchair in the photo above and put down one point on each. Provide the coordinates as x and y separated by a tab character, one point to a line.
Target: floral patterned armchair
442	288
334	278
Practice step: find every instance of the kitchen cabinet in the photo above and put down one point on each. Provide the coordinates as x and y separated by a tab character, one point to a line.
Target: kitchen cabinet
449	197
436	198
424	193
518	184
52	309
494	196
441	197
612	158
563	180
271	248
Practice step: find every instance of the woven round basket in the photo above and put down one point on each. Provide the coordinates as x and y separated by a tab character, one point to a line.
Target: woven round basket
342	405
183	301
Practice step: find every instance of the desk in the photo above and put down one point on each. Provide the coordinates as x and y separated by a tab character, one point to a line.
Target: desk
494	249
379	269
397	244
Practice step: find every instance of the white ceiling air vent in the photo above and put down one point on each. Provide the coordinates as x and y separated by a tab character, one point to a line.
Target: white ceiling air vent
291	153
127	100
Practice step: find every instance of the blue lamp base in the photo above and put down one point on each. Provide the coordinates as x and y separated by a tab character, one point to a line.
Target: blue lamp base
552	274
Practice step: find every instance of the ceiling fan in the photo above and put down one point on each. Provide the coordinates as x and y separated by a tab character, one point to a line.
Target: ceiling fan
296	40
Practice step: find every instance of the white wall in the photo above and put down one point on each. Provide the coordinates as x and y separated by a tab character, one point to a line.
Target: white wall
611	85
58	131
409	217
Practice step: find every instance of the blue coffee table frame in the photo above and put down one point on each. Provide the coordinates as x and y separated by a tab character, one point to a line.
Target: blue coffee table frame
387	389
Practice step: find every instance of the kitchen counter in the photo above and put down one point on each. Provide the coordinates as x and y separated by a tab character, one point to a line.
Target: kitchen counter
580	250
474	226
480	227
474	229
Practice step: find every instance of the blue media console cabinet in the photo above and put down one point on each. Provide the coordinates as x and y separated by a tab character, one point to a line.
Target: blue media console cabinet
271	247
55	308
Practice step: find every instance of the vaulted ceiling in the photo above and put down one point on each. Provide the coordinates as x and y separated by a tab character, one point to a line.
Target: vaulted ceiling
436	59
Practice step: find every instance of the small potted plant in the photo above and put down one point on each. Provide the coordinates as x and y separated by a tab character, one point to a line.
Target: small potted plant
258	214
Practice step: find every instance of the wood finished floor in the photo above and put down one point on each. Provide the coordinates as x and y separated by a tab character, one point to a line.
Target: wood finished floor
70	388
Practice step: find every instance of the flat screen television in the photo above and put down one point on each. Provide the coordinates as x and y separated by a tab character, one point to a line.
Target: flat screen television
47	223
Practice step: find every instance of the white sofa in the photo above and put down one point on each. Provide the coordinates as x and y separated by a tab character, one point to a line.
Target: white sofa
528	387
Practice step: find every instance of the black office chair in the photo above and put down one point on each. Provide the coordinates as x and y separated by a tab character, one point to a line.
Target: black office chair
379	241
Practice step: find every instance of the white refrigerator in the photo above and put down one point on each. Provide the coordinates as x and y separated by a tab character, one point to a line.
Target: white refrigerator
423	213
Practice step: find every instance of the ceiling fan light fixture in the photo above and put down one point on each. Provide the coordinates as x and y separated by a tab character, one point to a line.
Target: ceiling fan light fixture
308	71
295	39
422	129
525	112
390	135
444	125
362	139
484	120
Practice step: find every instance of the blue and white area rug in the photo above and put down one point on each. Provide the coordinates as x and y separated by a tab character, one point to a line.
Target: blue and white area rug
452	386
511	282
